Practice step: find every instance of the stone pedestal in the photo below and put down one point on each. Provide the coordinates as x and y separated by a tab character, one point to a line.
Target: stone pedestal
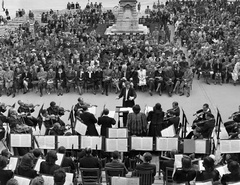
127	20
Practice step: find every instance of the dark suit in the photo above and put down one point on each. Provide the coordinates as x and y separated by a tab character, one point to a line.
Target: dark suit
204	175
181	176
106	122
116	164
90	162
29	173
89	120
146	167
126	101
230	178
68	162
48	169
5	175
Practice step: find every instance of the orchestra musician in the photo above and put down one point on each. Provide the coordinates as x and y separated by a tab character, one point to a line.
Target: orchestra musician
106	122
26	110
173	116
129	95
55	112
3	119
79	106
202	112
204	128
232	126
89	120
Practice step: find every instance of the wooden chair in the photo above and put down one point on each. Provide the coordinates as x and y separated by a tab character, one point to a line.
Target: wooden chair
146	177
90	176
110	172
169	179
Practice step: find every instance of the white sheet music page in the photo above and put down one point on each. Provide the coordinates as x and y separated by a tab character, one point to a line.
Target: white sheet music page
112	132
22	180
136	143
46	142
235	146
37	165
12	163
68	179
122	145
122	133
80	127
111	145
225	146
200	146
68	142
21	140
111	114
166	144
60	159
178	160
147	143
168	132
48	180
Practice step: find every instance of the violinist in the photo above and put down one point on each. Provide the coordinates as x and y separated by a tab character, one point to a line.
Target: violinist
172	116
201	114
55	113
232	126
79	106
106	122
25	110
204	128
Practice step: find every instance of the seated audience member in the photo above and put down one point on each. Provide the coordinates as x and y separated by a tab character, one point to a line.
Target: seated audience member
106	122
116	163
186	173
234	175
12	182
137	122
37	181
5	175
25	168
209	172
67	161
48	167
146	166
59	177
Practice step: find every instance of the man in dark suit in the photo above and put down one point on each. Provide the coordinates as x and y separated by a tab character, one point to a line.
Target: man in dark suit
89	161
106	122
146	166
67	161
89	120
129	95
116	163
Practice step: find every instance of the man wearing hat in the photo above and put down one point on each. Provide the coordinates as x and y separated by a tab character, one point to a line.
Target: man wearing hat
129	95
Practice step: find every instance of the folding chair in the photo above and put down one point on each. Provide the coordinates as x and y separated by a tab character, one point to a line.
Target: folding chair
110	172
146	177
90	176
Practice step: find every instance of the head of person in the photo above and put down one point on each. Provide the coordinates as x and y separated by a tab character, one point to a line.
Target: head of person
62	150
12	182
115	155
208	163
175	104
59	177
6	153
37	181
27	161
127	85
136	109
147	157
3	162
37	152
51	157
52	104
186	162
205	107
105	112
173	153
84	108
233	166
88	151
157	107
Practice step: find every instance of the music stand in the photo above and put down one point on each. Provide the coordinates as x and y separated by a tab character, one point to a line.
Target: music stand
120	113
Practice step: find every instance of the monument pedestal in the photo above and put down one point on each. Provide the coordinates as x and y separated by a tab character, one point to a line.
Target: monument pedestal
127	20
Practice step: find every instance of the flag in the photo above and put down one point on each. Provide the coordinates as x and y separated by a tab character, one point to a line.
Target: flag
71	118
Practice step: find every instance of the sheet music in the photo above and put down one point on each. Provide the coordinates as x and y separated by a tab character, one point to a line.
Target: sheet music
126	109
168	132
93	110
178	160
60	159
222	170
225	146
148	109
235	144
142	143
166	144
46	142
80	127
120	145
21	140
37	165
125	181
22	180
48	180
68	142
204	183
12	163
91	141
69	179
117	133
43	130
111	114
188	146
200	146
200	165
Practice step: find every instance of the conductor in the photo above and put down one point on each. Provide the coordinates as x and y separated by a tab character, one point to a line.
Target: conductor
129	95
